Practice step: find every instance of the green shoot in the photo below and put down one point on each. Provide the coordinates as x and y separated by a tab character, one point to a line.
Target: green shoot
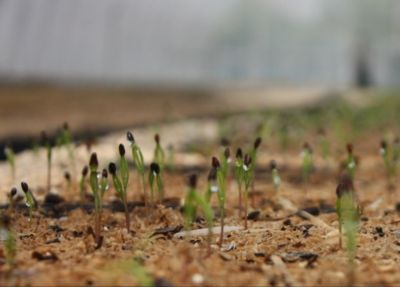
10	243
351	163
65	140
10	156
155	181
276	179
212	186
226	162
67	177
139	162
247	179
221	194
193	201
121	191
30	200
348	215
159	154
123	167
11	196
97	194
307	162
82	182
47	144
389	160
253	155
324	144
239	177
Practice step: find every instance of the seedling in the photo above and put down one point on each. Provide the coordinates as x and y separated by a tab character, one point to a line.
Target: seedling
193	201
221	194
226	162
67	177
10	156
247	180
212	185
121	191
239	177
30	200
159	154
47	144
253	156
351	163
389	160
346	204
82	182
307	162
65	140
123	167
155	181
139	162
276	179
11	195
10	243
97	194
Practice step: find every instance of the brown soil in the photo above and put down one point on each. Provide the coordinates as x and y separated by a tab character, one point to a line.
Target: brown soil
279	249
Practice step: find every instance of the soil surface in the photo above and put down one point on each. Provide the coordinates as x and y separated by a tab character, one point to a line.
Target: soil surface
280	248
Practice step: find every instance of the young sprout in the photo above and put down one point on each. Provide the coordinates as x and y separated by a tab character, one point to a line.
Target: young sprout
307	164
389	160
193	201
67	177
221	194
121	191
226	162
139	162
247	179
253	156
212	185
11	196
65	140
344	193
276	179
155	181
10	156
123	167
159	154
324	144
82	182
97	194
348	213
351	163
239	177
47	144
30	200
10	243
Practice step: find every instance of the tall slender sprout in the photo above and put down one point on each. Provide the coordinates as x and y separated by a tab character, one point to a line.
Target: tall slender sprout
387	154
253	155
307	162
159	154
82	182
155	181
239	178
139	162
247	180
348	214
97	194
65	140
10	243
276	179
47	145
221	194
193	201
10	156
123	167
30	200
212	185
121	191
11	195
351	163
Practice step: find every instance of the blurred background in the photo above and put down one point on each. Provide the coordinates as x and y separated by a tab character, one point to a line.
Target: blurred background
107	64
